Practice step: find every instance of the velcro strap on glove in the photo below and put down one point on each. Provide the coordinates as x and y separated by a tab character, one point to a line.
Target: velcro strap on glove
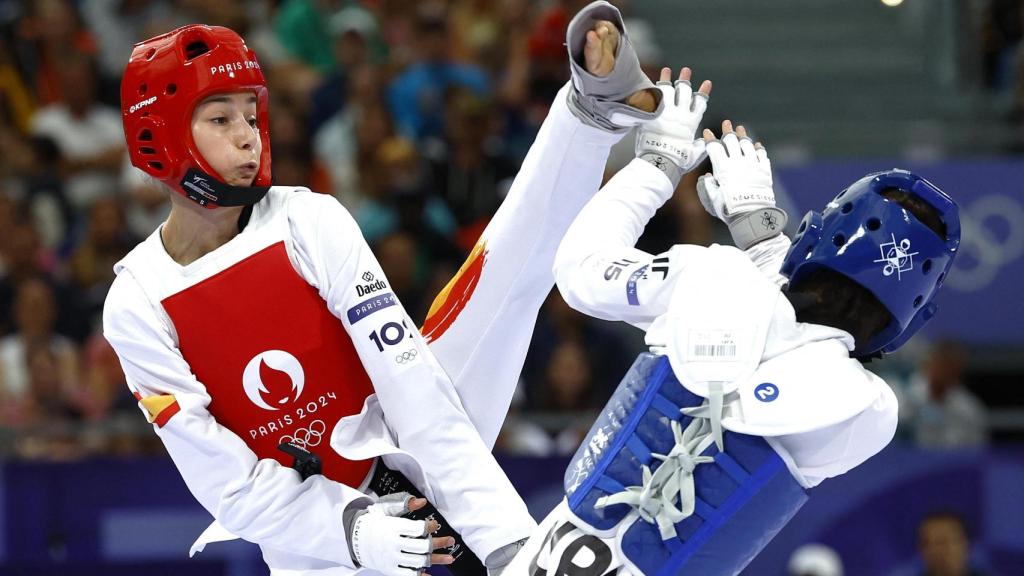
749	228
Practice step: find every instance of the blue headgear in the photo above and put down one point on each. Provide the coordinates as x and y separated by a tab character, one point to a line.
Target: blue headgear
881	246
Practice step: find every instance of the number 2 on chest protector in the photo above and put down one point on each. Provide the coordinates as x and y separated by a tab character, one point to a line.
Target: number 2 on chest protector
314	405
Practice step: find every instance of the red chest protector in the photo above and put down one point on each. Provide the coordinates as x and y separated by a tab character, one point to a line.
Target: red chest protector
278	365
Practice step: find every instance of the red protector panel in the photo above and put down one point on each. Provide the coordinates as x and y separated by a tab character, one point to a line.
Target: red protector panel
278	365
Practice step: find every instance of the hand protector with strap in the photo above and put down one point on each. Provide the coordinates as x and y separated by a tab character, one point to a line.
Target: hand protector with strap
386	543
670	137
740	191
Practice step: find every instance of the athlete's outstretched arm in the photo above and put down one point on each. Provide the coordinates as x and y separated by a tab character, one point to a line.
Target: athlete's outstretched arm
600	273
597	269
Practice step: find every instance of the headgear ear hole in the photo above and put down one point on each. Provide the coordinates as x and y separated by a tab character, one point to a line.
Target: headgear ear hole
874	224
196	48
145	135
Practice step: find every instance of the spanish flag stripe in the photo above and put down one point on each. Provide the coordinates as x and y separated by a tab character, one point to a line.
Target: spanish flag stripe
160	408
166	414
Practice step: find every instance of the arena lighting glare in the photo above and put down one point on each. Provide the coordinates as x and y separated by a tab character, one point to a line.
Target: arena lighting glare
892	2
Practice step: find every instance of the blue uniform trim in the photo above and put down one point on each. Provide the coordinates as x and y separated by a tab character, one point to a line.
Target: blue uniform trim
631	295
371	306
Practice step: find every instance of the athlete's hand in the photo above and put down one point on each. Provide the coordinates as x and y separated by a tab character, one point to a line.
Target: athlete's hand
740	190
599	57
671	135
742	174
383	541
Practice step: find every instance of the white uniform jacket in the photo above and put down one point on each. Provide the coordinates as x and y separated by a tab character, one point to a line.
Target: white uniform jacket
255	314
820	409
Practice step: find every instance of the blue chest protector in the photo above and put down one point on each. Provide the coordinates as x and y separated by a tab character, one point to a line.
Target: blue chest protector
743	495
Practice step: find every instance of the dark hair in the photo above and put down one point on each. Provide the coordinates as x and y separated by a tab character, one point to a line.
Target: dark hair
921	210
832	299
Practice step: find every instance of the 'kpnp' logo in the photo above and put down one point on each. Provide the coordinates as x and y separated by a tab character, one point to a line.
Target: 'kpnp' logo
897	257
136	107
272	379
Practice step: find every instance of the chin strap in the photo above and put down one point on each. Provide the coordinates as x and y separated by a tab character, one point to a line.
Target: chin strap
206	190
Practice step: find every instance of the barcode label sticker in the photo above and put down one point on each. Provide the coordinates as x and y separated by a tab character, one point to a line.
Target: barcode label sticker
712	346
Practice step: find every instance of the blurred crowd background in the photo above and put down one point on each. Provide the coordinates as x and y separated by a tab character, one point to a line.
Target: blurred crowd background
417	114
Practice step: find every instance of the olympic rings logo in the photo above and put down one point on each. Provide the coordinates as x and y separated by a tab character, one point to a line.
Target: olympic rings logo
307	437
405	357
983	251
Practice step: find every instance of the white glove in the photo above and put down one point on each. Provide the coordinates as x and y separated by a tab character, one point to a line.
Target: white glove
742	179
739	192
383	542
671	135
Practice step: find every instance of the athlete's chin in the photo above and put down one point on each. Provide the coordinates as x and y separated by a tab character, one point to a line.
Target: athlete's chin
241	180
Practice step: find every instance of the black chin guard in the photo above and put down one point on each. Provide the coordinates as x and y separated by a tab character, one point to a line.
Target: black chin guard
205	190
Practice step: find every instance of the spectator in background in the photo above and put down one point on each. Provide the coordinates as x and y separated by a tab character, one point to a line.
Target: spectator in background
546	48
87	133
416	97
354	32
33	353
402	199
1000	41
569	390
409	227
19	256
17	102
45	194
944	546
520	436
123	23
468	167
106	241
815	560
49	34
148	206
301	27
347	142
937	409
609	349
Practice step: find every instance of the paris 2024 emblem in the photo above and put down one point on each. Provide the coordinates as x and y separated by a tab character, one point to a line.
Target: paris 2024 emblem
264	375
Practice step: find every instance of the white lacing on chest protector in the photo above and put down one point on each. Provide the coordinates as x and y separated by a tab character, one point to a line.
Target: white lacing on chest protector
655	498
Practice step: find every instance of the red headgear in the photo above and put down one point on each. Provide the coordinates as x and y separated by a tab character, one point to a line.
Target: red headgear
166	77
